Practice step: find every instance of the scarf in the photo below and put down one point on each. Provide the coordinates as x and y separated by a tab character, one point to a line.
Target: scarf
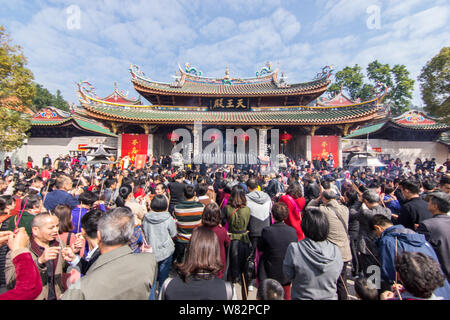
38	250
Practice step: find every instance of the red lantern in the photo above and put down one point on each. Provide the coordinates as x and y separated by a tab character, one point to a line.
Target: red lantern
285	137
244	137
214	136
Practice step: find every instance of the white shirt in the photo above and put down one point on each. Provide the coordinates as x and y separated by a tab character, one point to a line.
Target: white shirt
88	257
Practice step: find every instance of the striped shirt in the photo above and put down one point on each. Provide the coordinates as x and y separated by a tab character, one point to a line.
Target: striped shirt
189	216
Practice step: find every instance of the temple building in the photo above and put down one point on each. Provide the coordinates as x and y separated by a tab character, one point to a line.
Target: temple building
56	132
262	103
411	135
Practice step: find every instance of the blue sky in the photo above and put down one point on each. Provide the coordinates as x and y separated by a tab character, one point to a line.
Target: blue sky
300	36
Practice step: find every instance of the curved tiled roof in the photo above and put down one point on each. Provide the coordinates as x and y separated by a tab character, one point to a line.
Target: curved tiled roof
249	87
363	131
298	116
119	96
62	117
235	90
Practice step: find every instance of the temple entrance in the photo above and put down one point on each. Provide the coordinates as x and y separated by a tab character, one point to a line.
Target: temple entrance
246	146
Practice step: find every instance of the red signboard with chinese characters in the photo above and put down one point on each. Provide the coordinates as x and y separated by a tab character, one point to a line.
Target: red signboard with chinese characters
82	147
134	144
322	146
141	159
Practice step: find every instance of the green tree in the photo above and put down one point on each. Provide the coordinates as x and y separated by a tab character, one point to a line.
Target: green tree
13	128
351	79
16	93
45	98
435	85
59	102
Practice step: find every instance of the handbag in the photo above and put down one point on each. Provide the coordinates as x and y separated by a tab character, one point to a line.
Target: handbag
250	267
145	247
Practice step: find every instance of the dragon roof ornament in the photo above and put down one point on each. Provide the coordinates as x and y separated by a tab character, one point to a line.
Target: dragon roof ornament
265	70
325	73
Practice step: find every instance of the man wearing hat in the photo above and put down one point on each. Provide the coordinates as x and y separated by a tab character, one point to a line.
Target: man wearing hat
437	229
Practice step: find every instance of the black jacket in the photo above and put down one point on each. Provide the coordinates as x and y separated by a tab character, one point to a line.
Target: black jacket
84	265
437	233
413	211
176	192
274	187
273	243
353	224
46	161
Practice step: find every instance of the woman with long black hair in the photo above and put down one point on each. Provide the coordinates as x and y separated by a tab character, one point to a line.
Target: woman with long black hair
237	215
197	274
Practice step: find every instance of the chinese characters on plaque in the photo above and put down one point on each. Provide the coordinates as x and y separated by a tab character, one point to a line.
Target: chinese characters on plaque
232	104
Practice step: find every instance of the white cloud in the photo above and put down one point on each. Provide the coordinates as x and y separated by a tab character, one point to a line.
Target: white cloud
343	12
422	23
286	23
400	8
218	28
211	35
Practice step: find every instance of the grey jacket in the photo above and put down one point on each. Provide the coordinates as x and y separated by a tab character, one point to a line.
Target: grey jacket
116	275
260	204
313	267
159	229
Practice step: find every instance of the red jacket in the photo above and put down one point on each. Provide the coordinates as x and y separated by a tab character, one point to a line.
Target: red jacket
16	210
294	218
28	280
45	174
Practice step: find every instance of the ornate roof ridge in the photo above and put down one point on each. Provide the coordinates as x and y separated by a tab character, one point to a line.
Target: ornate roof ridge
425	114
75	118
193	75
197	76
325	101
87	89
59	112
122	95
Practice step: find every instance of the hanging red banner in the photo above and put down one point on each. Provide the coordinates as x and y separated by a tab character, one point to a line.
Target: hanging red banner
322	146
134	144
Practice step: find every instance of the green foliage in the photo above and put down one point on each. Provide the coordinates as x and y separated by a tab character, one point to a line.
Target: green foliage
435	85
351	79
13	128
44	98
16	93
399	96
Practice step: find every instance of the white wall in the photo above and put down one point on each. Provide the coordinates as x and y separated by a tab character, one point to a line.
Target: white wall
37	148
405	150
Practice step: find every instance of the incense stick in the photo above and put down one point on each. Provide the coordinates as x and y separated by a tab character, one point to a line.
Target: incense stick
46	192
20	216
57	232
79	221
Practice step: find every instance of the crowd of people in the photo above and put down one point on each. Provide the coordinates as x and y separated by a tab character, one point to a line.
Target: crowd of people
71	231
